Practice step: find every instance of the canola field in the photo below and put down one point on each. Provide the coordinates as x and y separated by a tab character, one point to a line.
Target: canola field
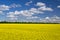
29	31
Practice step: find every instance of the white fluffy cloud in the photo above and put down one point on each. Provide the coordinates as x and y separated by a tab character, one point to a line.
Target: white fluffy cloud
58	6
35	10
29	13
23	13
30	18
4	7
43	7
28	3
40	10
7	8
40	4
11	16
26	13
54	19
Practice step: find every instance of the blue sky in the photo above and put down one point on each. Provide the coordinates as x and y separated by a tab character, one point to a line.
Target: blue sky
30	10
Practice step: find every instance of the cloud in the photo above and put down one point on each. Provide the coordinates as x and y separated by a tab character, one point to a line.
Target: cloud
7	7
54	19
18	14
12	19
15	5
22	12
36	11
1	12
14	15
44	8
40	10
4	7
28	14
11	16
32	17
28	3
47	18
40	4
58	6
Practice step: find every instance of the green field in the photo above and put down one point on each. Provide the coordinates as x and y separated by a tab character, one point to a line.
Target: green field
29	31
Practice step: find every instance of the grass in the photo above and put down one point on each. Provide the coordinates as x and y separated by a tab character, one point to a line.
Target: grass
29	31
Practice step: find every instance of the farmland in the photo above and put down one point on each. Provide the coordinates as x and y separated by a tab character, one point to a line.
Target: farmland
29	31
